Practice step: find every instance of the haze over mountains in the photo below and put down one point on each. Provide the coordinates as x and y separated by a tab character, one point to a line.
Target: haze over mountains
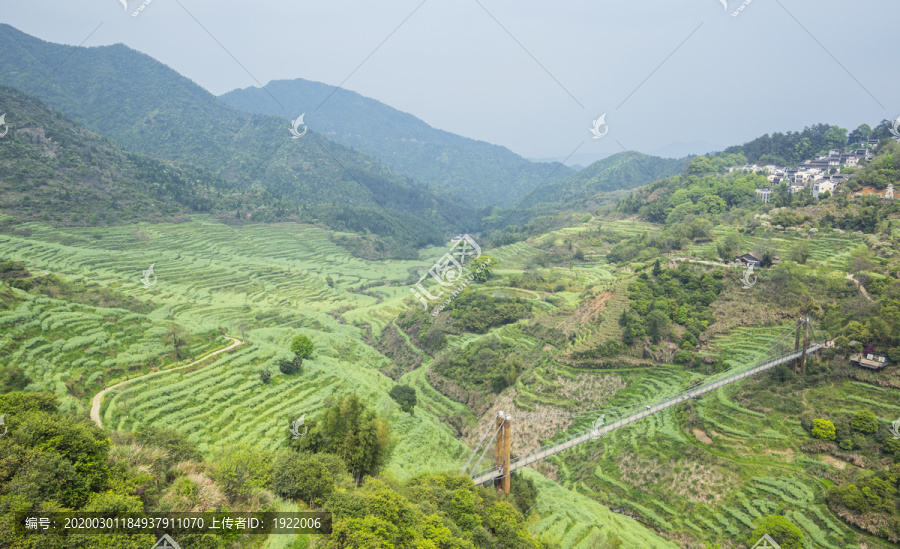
484	174
416	186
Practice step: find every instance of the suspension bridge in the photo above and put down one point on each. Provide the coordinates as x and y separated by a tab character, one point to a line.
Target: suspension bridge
501	428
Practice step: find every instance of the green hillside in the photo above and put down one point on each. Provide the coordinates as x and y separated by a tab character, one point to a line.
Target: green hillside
56	171
148	108
482	173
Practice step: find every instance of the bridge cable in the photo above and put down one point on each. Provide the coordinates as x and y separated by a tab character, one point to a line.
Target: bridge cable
711	379
466	466
488	446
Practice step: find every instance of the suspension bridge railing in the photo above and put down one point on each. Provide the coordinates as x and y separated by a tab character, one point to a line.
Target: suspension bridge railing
639	412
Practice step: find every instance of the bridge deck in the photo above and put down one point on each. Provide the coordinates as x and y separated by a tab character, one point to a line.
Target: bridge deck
533	457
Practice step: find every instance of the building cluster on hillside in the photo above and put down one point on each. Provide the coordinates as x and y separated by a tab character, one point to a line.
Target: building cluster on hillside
815	176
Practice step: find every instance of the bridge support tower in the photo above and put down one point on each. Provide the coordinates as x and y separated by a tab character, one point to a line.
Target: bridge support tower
800	362
502	452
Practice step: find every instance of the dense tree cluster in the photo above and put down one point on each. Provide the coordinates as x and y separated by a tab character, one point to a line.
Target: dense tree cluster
792	147
51	462
670	296
487	364
405	396
351	431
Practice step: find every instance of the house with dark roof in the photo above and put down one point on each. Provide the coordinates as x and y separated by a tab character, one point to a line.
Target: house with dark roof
755	259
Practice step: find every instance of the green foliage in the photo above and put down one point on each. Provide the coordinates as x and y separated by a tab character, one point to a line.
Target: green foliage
12	378
876	494
302	346
728	246
92	176
792	147
523	491
478	312
176	445
586	189
823	429
241	471
677	295
785	534
405	396
265	375
355	434
432	511
864	421
483	267
300	476
290	367
486	365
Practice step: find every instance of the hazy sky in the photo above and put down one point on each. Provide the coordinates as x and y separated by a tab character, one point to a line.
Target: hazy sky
531	75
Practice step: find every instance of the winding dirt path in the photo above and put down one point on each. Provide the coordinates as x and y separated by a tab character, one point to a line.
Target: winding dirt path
859	286
98	398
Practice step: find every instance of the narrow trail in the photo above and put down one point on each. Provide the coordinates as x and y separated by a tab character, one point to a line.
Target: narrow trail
860	287
98	398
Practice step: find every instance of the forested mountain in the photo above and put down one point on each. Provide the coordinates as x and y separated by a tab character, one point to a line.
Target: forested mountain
590	187
482	173
148	108
792	147
57	171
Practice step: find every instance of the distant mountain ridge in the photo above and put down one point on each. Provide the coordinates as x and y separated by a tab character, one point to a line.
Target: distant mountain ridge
589	188
483	173
148	108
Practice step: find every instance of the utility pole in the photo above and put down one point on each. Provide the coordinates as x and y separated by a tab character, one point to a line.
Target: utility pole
501	452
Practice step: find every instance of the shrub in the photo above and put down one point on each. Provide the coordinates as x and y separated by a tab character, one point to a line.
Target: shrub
289	367
865	422
265	376
240	471
778	528
823	429
683	357
405	396
302	346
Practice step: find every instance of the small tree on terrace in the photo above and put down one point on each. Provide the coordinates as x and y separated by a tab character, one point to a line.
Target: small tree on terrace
405	396
177	337
302	346
358	436
483	268
823	429
289	367
785	534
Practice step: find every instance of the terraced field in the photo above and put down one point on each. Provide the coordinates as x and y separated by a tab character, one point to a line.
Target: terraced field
265	283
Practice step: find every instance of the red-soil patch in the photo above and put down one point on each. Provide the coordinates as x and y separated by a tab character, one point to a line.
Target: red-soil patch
702	436
834	462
